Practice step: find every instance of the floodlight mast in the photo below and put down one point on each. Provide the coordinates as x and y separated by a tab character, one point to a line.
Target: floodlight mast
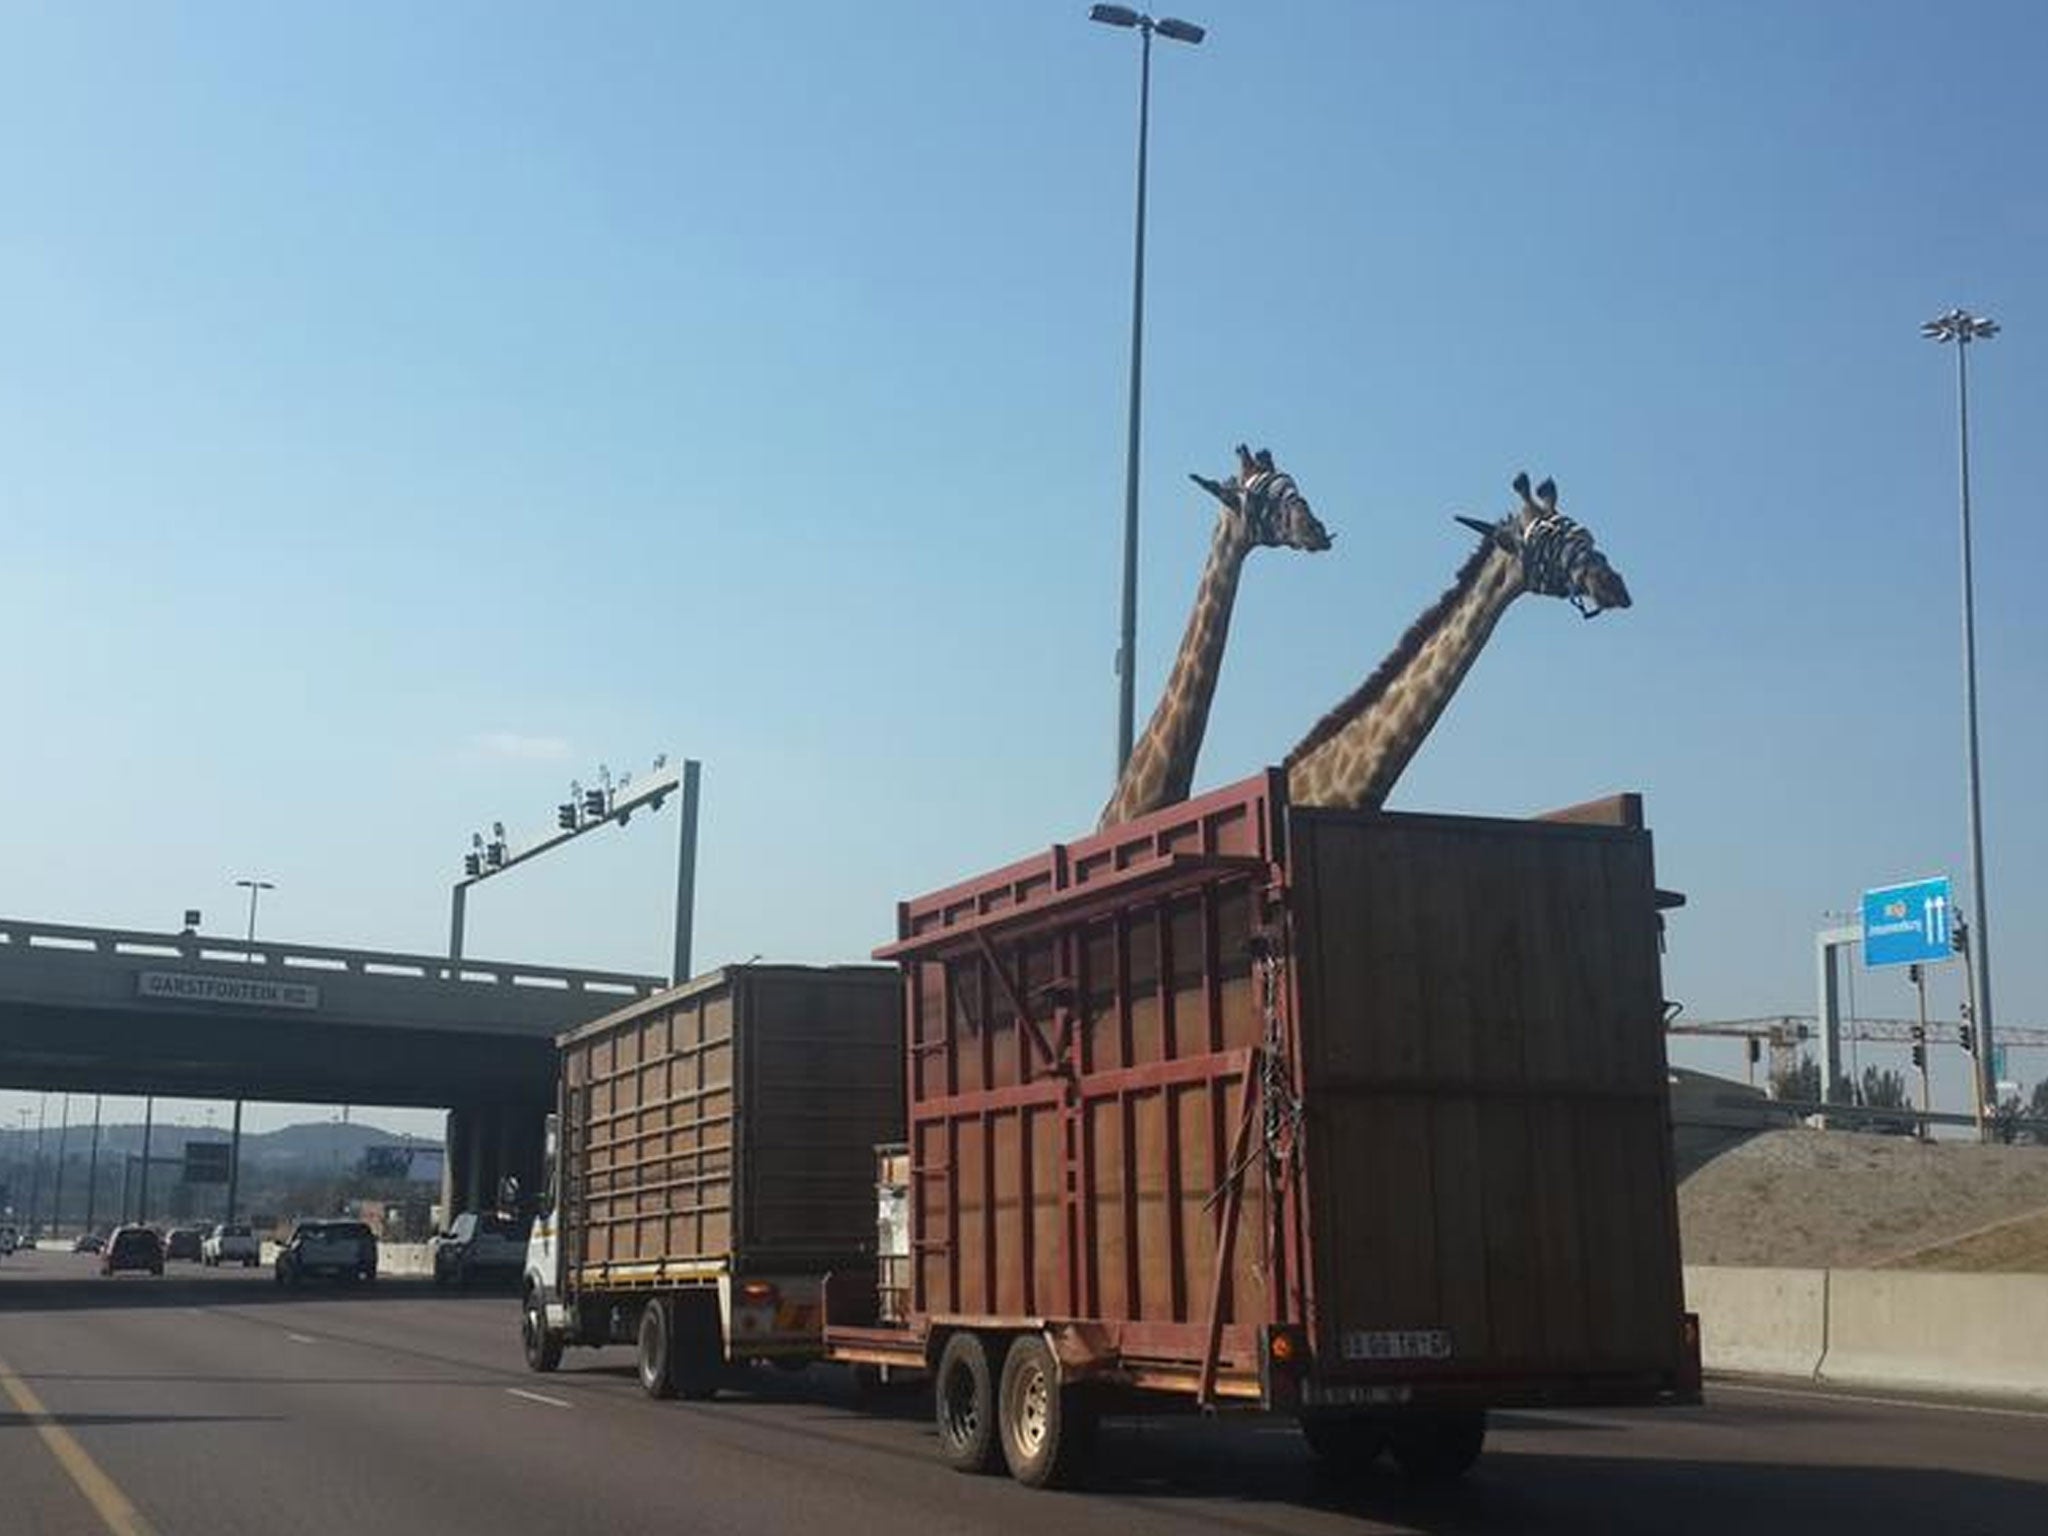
1127	640
1962	328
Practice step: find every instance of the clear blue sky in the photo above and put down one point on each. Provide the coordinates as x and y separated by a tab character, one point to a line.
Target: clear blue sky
404	409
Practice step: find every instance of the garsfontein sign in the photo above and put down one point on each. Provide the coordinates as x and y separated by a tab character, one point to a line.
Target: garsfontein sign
235	991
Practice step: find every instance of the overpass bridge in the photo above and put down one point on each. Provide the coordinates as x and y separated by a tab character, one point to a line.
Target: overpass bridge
102	1010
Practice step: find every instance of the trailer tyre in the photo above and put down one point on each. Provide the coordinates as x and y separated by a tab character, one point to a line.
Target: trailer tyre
964	1393
1437	1447
698	1352
543	1348
1346	1443
656	1358
1048	1430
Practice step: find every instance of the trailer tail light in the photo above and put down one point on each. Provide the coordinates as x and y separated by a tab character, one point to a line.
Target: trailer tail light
1283	1361
759	1293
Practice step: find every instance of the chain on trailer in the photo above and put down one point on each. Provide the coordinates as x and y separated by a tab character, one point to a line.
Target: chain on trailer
1278	1149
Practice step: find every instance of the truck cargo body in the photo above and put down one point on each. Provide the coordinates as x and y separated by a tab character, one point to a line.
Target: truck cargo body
713	1160
1360	1115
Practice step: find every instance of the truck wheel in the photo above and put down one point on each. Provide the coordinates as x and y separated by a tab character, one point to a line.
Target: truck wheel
966	1402
657	1378
543	1348
1344	1442
1437	1447
1047	1429
699	1352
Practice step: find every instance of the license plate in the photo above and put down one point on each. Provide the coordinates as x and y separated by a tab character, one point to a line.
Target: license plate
1398	1344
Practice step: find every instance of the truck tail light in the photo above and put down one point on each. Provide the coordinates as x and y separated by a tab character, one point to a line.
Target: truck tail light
1283	1363
759	1293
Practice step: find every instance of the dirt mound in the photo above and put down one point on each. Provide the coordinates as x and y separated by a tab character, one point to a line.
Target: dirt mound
1837	1199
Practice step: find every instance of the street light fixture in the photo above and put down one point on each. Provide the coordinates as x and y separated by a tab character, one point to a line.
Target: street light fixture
255	887
1127	644
1962	328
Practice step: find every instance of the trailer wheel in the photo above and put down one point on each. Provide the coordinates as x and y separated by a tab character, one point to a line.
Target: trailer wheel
1048	1429
1344	1442
1437	1447
543	1348
657	1378
966	1403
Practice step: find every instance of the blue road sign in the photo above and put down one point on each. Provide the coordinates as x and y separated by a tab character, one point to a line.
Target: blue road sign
1904	924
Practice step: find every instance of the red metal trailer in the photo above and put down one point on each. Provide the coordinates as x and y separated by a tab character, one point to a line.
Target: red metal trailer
1361	1116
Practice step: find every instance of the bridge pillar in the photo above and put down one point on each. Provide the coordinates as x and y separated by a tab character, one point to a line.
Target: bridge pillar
486	1143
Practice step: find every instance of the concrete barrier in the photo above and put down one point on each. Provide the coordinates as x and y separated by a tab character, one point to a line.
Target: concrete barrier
392	1258
1905	1330
1938	1332
1768	1321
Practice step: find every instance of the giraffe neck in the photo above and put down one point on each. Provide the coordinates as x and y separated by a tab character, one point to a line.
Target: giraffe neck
1162	762
1356	752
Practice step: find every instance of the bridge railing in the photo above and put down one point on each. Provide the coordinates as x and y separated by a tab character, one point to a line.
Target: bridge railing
18	937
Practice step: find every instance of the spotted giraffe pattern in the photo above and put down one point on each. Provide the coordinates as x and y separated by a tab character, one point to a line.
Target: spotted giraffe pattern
1261	507
1355	753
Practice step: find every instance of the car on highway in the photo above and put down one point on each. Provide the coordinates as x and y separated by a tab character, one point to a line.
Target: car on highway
229	1243
182	1243
481	1246
335	1249
133	1248
88	1242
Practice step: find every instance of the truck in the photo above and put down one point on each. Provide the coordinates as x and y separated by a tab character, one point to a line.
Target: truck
1358	1117
709	1163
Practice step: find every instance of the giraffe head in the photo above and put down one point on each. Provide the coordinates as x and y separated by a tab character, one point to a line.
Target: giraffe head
1266	504
1558	556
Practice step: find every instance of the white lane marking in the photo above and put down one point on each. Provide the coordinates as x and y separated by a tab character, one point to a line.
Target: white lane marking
540	1397
300	1338
1930	1405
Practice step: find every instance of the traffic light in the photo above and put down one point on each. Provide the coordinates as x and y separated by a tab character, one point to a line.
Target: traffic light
593	804
1756	1050
1959	937
1913	973
1919	1055
494	855
1969	1039
565	815
472	865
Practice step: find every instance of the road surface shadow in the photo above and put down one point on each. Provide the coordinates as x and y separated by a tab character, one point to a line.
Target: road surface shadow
95	1292
1523	1489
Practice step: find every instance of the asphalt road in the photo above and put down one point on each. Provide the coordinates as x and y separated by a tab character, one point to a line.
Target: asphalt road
210	1402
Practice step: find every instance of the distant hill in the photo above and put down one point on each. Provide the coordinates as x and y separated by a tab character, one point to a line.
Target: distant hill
319	1146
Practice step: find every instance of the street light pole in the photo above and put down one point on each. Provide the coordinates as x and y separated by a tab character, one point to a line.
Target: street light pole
1127	642
1962	328
255	888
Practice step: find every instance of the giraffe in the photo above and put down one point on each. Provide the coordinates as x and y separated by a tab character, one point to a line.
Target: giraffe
1355	753
1261	505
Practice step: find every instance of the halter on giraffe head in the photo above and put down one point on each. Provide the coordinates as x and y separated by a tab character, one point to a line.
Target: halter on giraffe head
1557	555
1267	505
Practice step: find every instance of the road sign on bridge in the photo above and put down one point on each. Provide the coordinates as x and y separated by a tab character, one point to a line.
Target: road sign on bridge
206	1162
1908	924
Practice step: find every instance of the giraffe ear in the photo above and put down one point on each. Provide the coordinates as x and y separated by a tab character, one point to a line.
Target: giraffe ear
1219	489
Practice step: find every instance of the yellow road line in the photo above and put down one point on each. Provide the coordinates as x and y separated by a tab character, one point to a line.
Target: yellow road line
108	1502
